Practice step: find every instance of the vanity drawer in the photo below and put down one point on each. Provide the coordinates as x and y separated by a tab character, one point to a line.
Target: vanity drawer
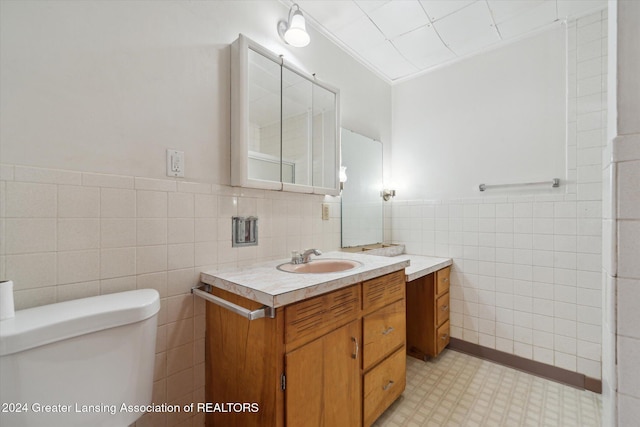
312	318
442	337
442	280
382	290
383	385
442	309
383	331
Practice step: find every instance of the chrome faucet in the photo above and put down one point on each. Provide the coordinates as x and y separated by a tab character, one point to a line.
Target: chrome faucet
307	254
298	258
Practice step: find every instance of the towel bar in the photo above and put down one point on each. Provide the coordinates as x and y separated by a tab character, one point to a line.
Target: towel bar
555	182
264	311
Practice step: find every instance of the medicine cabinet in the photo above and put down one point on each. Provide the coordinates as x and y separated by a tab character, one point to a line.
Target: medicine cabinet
285	131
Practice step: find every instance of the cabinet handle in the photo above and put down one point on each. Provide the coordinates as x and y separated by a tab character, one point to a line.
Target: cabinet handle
388	330
444	337
386	387
444	308
445	279
355	341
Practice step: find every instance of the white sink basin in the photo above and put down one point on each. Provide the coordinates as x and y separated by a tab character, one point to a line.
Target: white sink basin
320	266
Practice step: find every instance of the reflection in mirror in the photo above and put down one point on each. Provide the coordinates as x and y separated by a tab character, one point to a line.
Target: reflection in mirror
362	210
264	119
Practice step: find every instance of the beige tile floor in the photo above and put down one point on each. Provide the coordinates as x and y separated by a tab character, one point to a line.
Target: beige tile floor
456	389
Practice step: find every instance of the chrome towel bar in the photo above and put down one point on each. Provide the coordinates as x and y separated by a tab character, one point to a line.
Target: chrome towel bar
555	182
202	292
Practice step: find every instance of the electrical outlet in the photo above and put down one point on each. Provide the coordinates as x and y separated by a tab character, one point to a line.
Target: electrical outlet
175	163
325	211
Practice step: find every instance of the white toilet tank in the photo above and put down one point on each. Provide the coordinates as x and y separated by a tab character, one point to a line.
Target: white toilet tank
76	363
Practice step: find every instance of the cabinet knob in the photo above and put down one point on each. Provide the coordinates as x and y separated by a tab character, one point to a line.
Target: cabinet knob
445	279
388	330
444	336
387	386
444	308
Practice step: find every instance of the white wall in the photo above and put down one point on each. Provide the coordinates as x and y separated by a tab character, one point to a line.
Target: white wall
108	86
498	117
527	263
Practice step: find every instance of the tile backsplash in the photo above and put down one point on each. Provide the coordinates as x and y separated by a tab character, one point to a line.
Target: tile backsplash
68	234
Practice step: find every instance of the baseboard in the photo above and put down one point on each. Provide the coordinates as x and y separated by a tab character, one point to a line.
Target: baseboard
554	373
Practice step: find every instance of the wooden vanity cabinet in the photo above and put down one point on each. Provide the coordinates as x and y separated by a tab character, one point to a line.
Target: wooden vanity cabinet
331	360
428	314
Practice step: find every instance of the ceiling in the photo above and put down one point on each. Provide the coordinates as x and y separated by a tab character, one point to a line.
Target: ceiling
400	39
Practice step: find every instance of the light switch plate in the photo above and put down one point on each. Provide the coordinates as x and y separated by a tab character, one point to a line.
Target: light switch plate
175	163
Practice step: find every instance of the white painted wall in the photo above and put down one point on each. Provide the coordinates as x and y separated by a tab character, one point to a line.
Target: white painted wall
498	117
109	86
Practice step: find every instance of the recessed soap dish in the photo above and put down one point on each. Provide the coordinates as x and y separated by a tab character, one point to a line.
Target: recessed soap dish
244	231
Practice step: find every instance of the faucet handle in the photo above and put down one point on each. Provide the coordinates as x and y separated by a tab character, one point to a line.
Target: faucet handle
296	257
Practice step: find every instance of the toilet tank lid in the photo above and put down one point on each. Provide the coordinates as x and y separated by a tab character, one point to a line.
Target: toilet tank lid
37	326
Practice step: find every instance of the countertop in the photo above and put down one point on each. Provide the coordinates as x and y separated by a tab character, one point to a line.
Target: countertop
422	265
266	284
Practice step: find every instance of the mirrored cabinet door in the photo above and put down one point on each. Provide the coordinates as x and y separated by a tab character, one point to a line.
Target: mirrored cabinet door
326	156
264	119
296	128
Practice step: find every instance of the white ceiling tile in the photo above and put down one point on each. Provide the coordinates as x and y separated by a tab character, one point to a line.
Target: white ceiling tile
438	9
503	10
537	17
360	35
569	8
388	60
371	5
423	48
399	17
332	15
468	30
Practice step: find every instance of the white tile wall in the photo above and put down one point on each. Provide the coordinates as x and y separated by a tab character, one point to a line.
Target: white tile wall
68	235
526	268
621	335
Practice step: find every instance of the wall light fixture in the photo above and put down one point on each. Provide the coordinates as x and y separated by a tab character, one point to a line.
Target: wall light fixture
387	194
294	30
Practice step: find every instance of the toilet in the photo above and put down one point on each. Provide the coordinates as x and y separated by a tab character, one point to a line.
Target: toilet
86	362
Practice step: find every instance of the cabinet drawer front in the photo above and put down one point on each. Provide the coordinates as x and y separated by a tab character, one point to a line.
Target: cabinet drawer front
442	337
312	318
383	385
442	280
382	290
442	309
384	330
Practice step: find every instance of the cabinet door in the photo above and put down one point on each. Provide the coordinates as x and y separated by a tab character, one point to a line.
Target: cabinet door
323	386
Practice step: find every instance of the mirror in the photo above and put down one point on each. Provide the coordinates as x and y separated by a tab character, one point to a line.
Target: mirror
284	124
362	210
